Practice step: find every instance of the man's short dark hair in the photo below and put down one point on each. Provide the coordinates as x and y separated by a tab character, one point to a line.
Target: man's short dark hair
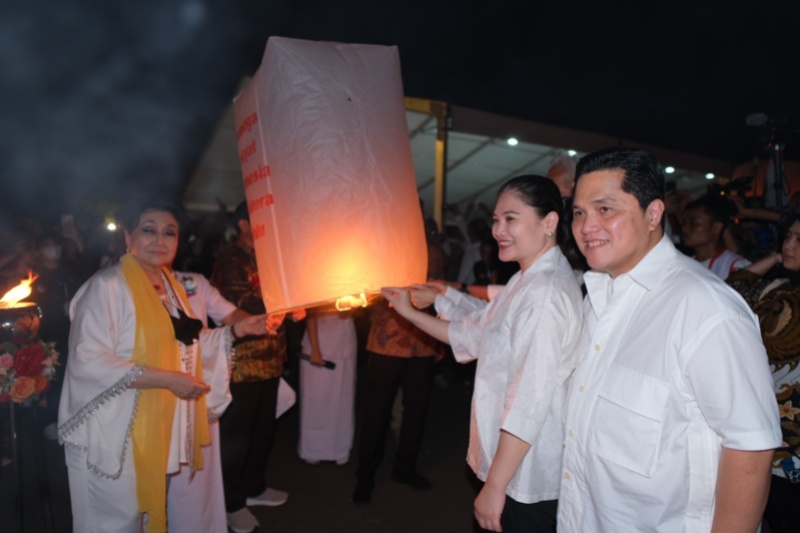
241	212
718	208
642	173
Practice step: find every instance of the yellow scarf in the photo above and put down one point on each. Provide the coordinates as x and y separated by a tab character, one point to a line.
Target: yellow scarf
155	346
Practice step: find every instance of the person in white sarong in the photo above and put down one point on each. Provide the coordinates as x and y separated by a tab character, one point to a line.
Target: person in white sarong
133	408
327	396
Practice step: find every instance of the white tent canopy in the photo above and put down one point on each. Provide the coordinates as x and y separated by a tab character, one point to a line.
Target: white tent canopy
479	158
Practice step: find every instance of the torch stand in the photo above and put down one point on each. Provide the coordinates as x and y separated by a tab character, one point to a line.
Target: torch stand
22	322
36	450
17	479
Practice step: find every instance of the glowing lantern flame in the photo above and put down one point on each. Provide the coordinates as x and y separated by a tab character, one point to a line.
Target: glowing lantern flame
346	303
20	292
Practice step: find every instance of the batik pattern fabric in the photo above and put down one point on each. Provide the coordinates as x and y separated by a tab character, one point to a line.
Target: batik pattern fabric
777	304
236	277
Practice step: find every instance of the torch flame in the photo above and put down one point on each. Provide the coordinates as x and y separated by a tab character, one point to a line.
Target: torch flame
20	292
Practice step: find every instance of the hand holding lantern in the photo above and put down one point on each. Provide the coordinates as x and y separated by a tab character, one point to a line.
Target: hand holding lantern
400	299
424	295
274	321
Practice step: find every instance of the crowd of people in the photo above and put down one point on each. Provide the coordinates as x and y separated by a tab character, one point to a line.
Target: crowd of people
634	355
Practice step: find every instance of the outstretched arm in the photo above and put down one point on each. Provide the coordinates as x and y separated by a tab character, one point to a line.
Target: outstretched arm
400	299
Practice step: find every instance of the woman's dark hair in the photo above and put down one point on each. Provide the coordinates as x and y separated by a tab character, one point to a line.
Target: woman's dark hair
132	213
789	215
541	194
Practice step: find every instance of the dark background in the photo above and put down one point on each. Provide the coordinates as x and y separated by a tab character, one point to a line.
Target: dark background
102	99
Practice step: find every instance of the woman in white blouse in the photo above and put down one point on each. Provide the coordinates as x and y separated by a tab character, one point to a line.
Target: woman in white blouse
526	344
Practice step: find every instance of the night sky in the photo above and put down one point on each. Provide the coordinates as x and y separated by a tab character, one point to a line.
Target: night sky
103	99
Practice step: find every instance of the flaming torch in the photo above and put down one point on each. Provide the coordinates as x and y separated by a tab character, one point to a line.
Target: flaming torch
19	320
27	366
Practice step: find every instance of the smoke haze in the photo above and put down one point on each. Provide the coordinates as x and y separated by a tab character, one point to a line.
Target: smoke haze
104	99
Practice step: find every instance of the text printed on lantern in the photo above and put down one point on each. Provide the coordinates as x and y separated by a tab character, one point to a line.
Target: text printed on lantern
246	125
261	173
262	201
249	150
258	231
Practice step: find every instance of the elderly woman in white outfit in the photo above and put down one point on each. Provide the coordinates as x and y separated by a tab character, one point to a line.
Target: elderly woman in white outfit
133	408
526	344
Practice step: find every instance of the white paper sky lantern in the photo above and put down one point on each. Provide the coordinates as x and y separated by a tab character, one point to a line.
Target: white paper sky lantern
328	174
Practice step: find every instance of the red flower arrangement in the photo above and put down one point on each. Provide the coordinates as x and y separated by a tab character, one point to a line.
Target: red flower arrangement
26	370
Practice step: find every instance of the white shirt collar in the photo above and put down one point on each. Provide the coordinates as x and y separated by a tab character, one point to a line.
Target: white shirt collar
547	260
646	273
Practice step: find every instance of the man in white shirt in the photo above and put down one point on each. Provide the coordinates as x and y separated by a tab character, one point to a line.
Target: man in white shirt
671	418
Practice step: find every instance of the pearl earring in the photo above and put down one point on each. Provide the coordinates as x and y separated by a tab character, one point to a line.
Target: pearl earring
549	233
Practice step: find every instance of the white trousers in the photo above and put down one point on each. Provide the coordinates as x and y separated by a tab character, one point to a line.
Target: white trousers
99	504
102	505
198	504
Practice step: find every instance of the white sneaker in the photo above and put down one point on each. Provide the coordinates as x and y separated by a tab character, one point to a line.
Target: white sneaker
270	498
242	521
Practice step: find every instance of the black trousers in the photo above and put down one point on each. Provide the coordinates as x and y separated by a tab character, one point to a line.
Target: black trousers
384	376
781	511
539	517
246	433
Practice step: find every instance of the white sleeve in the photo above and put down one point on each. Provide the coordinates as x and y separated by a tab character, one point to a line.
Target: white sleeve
454	305
96	402
216	350
217	307
727	369
98	358
467	326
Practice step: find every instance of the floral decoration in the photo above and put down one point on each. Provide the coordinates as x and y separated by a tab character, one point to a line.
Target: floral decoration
26	371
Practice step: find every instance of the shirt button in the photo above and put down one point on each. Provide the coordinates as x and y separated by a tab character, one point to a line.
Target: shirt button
567	475
596	347
571	432
581	389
